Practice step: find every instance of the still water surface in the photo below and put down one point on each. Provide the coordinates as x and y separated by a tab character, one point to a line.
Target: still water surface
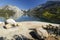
23	18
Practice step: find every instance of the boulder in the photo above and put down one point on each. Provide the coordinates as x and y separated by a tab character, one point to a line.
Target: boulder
10	21
41	33
7	26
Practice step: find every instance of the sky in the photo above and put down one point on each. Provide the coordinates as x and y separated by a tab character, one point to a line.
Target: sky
54	0
22	4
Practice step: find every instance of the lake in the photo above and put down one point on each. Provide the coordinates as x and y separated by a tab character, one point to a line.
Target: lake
27	18
22	18
2	19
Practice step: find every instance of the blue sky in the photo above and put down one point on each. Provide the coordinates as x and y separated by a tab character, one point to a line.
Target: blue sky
22	4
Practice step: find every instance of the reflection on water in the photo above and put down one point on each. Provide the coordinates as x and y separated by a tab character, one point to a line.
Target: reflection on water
27	18
22	18
2	19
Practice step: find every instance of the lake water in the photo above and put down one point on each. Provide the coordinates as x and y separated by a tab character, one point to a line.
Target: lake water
2	19
23	18
27	18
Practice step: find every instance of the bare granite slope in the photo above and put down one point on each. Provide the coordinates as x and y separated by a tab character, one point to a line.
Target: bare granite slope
23	28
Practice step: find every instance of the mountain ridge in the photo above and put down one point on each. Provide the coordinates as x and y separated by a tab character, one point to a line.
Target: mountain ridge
18	12
49	11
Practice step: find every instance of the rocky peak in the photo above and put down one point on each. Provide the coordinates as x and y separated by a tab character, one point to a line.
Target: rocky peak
18	12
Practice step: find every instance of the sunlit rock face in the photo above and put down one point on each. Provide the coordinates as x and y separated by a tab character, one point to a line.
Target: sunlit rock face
10	21
23	30
42	32
15	9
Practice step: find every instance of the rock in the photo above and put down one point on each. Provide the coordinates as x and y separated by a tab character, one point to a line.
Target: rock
42	33
2	24
10	21
7	26
1	38
20	37
51	38
24	31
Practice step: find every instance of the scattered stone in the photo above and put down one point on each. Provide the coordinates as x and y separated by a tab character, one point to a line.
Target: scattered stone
28	32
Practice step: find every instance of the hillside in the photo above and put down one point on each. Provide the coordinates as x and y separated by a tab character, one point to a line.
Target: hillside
49	11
